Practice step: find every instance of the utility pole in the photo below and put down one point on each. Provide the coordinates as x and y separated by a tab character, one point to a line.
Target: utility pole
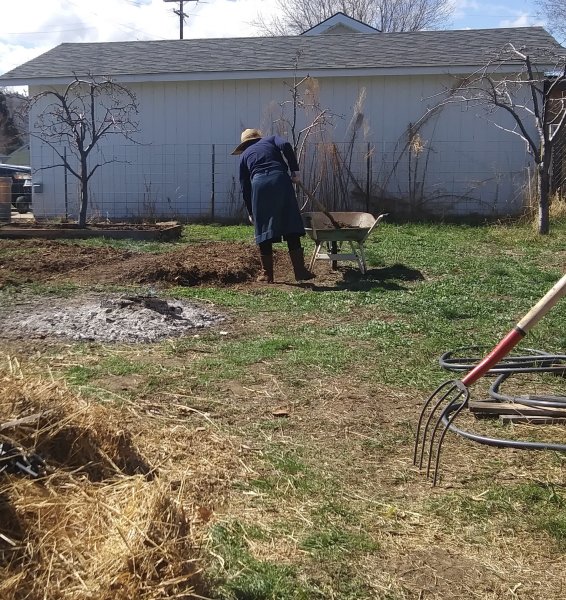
182	15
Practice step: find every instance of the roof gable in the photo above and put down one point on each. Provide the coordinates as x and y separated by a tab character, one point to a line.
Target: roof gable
340	23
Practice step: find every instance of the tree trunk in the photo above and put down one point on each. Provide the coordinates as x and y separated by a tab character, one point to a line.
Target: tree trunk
84	193
544	196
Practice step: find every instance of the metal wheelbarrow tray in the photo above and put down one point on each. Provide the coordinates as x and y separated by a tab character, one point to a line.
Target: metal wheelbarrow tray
354	229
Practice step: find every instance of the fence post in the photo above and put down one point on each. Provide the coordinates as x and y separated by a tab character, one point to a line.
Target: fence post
368	176
212	187
65	180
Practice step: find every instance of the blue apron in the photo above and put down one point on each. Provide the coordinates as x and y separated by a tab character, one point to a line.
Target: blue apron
274	207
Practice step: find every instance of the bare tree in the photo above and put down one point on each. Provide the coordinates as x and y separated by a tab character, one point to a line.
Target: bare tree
533	98
325	164
77	118
304	92
296	16
554	13
10	136
302	118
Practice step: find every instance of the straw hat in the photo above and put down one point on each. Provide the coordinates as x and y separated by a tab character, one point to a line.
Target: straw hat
248	135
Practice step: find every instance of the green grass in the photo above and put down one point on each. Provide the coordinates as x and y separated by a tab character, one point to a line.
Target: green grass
328	487
10	292
244	577
193	233
80	375
240	575
286	474
129	245
334	541
219	233
535	506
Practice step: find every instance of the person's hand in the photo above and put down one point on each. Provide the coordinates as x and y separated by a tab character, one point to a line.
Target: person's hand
295	178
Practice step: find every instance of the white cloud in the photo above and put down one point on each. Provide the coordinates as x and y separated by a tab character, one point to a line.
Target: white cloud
501	13
521	20
463	7
35	26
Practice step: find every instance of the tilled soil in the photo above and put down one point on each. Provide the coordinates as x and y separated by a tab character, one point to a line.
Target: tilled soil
219	263
213	263
117	317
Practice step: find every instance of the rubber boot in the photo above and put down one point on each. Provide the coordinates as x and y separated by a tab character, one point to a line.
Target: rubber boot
266	275
298	262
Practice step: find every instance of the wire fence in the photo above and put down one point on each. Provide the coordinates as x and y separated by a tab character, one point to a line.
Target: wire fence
558	179
200	181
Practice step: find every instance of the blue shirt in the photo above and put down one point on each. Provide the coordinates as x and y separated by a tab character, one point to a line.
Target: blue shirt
265	155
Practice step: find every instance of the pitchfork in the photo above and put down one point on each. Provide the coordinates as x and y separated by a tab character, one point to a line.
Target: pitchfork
451	397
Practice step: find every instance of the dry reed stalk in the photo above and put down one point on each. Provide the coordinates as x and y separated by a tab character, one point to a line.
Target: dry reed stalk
557	207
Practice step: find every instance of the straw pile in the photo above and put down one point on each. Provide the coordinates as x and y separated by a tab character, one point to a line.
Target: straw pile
102	524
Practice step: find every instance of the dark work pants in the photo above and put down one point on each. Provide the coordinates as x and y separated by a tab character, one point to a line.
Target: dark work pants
293	243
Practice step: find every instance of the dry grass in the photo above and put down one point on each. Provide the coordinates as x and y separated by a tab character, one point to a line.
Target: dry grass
103	523
353	448
120	539
557	204
558	208
92	530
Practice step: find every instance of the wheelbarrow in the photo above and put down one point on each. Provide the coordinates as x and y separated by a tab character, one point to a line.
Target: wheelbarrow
333	229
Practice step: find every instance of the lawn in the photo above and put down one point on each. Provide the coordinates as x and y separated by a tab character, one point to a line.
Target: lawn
298	416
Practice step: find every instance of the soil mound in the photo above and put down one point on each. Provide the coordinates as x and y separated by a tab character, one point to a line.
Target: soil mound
212	263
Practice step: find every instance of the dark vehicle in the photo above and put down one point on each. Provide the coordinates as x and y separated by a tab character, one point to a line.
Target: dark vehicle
21	185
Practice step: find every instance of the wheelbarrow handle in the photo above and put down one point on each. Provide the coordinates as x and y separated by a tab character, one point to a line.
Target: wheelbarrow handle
319	205
379	218
537	312
311	197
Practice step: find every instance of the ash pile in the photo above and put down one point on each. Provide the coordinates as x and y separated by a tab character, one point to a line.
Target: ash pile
120	318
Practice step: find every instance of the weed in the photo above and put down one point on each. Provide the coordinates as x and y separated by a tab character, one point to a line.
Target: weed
334	540
243	576
556	529
534	506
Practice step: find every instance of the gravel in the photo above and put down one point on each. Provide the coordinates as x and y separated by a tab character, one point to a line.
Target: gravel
105	318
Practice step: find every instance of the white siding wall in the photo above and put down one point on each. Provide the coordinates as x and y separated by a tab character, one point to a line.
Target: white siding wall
472	166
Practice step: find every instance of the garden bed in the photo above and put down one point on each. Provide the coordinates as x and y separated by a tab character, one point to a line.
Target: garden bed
166	231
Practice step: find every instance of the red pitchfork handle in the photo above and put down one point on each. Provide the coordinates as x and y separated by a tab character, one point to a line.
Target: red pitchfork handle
518	332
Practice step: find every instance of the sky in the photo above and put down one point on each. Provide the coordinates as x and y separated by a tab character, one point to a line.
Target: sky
30	27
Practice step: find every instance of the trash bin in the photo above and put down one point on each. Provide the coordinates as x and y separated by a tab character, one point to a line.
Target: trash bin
5	199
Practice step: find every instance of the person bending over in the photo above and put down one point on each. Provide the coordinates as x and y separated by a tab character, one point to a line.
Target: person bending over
268	169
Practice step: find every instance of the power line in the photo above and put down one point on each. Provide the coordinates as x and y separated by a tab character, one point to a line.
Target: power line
182	15
50	31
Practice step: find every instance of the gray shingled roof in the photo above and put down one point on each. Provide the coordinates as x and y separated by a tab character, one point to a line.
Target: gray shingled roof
350	51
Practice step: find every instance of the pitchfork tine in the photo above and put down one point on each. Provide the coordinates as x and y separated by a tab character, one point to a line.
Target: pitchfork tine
451	418
460	389
420	421
428	421
501	350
